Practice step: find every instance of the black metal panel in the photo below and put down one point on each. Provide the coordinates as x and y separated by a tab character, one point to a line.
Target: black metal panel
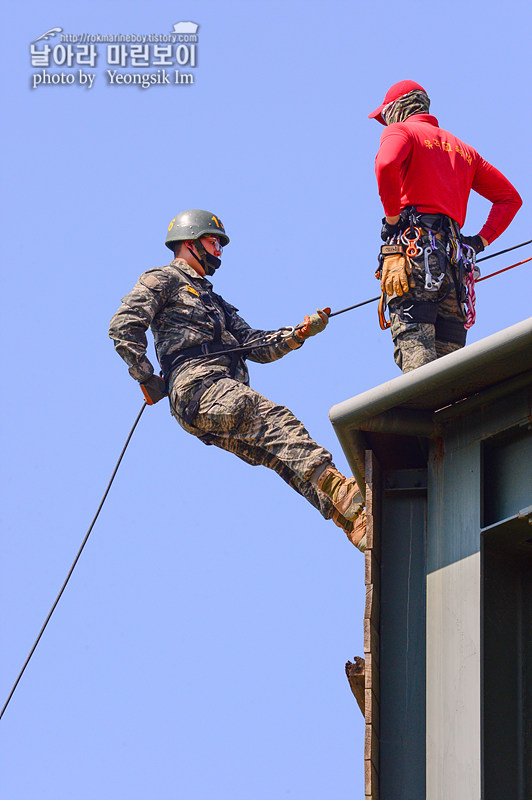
507	660
507	473
507	614
402	636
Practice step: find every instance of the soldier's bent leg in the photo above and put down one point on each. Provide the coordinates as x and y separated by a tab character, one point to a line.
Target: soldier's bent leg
244	422
255	456
355	530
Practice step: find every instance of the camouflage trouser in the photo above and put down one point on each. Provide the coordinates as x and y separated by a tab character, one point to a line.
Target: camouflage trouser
427	324
236	418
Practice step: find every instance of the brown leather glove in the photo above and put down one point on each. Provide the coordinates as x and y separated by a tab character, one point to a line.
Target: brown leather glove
154	389
313	324
395	278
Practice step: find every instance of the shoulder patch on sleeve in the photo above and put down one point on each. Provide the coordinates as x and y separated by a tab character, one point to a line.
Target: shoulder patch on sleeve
151	281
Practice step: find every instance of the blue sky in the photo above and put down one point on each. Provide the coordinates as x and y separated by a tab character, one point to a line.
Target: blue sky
199	649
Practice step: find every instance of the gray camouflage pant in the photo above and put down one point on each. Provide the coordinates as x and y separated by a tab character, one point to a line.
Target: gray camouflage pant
236	418
426	325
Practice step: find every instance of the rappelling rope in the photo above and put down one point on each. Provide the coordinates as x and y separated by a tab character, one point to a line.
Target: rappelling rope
290	330
485	278
500	253
85	540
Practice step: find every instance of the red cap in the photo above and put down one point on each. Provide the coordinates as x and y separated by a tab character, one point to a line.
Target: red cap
394	93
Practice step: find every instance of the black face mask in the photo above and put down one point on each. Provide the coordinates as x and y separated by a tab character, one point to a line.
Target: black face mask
209	262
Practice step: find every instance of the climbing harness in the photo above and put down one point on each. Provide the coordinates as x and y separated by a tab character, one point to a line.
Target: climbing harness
456	262
193	404
254	344
473	282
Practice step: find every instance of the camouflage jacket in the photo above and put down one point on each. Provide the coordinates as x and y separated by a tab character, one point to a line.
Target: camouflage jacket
182	311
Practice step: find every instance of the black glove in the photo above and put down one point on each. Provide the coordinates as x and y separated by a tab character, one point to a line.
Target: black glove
473	241
387	230
154	389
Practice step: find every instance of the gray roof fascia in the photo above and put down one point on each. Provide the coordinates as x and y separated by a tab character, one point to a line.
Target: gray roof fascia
407	404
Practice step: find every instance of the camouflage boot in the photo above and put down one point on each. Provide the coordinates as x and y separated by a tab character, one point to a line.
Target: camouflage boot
344	492
355	531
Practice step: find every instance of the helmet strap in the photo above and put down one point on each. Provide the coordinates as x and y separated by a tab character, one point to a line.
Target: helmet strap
209	262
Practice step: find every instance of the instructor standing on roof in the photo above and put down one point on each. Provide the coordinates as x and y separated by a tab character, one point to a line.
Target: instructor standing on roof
425	175
196	333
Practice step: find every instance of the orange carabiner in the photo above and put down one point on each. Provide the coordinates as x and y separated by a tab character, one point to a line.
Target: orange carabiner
412	249
383	322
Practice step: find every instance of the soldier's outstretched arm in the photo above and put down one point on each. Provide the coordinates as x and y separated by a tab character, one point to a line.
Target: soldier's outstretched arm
272	344
280	345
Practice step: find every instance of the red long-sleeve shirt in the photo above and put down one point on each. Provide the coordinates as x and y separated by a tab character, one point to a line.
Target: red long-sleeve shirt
420	164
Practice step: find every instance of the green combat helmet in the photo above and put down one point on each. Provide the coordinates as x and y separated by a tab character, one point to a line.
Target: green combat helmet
193	224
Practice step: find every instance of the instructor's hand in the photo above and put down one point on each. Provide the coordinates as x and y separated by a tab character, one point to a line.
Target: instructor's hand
154	389
313	324
389	229
476	242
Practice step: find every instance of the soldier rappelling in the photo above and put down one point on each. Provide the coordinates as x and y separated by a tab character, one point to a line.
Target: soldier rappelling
202	344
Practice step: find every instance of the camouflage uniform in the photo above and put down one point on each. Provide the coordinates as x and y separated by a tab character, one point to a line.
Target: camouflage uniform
427	324
183	312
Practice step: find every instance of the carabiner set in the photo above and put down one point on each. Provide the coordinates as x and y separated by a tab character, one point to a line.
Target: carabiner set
432	284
